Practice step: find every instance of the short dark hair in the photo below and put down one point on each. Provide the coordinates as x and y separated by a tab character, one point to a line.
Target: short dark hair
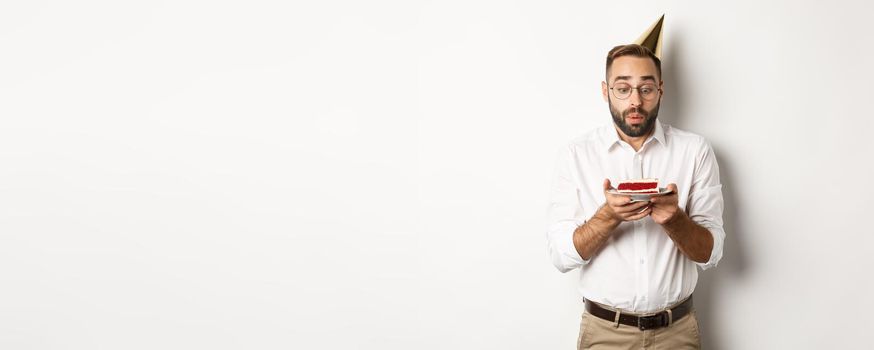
635	51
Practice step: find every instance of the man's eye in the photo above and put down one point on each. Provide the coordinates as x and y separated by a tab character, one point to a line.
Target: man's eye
646	91
623	90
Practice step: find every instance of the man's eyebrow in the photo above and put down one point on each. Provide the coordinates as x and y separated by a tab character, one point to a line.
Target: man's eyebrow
628	77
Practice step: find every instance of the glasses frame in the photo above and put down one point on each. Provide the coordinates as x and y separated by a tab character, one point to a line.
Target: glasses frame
638	92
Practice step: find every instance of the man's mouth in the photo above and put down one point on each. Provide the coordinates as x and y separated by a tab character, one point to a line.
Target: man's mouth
634	117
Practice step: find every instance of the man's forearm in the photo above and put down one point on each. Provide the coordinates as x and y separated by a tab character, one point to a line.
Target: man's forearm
589	237
693	240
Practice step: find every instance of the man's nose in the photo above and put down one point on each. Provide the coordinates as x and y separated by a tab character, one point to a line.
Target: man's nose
635	99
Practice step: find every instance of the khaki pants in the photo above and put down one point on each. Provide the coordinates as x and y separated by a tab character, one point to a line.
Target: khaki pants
597	334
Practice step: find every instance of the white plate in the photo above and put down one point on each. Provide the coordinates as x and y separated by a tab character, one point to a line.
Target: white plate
641	197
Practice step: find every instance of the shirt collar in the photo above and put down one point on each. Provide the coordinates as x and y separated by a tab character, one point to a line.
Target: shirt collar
612	136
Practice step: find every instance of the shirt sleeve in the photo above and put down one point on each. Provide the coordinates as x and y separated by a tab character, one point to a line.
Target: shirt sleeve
705	204
564	214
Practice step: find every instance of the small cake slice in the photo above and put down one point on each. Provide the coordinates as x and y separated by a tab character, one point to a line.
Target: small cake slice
641	186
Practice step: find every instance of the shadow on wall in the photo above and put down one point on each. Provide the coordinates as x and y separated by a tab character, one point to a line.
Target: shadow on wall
718	281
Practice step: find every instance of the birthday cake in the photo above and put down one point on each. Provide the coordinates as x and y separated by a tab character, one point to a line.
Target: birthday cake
641	186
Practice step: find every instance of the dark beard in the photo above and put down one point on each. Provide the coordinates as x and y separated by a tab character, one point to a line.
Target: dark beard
644	128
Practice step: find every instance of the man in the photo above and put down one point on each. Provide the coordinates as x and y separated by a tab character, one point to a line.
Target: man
638	260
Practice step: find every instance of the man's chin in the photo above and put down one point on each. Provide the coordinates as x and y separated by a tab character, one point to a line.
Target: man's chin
636	130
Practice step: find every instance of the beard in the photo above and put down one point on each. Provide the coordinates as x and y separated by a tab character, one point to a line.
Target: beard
641	129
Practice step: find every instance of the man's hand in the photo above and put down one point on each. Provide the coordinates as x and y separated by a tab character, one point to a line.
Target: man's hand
590	236
620	208
695	241
665	208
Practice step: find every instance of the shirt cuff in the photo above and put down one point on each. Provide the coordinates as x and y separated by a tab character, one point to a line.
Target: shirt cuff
561	245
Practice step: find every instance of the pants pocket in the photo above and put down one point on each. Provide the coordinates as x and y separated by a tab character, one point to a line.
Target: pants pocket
584	323
696	331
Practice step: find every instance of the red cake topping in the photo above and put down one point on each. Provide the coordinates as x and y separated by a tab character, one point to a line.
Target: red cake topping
640	186
637	186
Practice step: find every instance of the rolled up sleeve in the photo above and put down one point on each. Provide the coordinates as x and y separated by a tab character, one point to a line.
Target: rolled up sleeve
705	204
564	214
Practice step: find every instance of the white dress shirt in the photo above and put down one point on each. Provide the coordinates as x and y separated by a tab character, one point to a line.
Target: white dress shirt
639	268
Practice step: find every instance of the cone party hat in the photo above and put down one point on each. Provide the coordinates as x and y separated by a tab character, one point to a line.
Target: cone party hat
652	37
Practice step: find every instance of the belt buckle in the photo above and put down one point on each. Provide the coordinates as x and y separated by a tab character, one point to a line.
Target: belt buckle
650	322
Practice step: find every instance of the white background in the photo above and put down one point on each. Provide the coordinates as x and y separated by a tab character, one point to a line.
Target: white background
374	175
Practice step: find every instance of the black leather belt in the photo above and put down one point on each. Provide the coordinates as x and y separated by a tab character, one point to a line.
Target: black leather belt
658	320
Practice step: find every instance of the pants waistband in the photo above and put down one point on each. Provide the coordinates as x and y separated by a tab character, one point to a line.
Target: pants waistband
659	319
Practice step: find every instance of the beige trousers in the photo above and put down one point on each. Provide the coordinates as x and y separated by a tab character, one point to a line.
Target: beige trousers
598	334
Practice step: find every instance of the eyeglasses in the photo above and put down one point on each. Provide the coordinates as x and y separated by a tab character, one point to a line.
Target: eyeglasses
646	91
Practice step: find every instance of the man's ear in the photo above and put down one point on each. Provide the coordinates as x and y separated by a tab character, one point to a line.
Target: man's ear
661	87
604	91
